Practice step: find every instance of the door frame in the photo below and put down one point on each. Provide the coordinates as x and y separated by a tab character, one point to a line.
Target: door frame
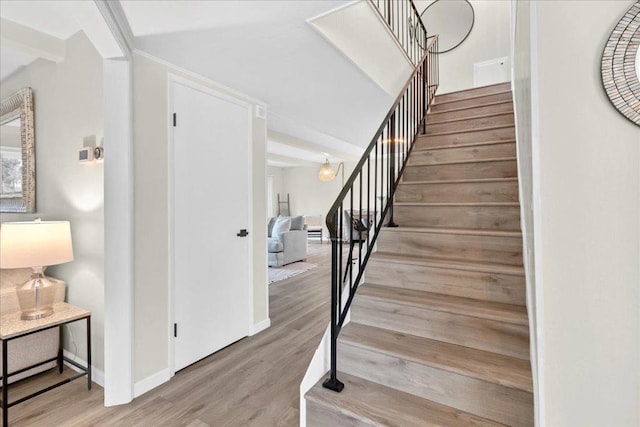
173	79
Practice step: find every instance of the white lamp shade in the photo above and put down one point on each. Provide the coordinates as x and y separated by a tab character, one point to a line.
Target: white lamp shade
35	244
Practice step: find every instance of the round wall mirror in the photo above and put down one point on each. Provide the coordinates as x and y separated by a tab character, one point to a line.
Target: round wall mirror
621	65
451	20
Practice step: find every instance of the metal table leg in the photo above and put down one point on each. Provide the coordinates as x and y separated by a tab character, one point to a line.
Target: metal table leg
89	353
5	385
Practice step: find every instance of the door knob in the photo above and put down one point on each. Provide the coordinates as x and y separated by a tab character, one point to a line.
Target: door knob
243	233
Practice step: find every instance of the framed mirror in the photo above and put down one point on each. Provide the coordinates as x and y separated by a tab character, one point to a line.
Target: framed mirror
621	65
17	153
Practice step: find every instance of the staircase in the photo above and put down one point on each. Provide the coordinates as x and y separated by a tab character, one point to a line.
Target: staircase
439	332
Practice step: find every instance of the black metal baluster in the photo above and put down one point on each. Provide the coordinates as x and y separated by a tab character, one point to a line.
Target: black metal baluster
360	219
392	167
350	267
403	123
368	202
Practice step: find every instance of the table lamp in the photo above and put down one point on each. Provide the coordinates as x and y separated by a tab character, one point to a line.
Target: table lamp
35	245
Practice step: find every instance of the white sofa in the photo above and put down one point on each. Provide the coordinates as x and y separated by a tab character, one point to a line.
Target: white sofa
289	246
33	348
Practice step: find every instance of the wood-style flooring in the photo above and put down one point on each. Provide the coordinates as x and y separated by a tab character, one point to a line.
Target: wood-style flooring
254	382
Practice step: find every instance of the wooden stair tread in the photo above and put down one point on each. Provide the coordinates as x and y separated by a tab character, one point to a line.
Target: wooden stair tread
475	92
423	147
465	265
483	365
501	312
467	231
471	89
471	107
442	101
479	116
495	204
375	404
453	132
460	162
459	181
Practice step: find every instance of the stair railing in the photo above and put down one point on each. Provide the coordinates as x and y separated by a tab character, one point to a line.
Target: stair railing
372	186
403	19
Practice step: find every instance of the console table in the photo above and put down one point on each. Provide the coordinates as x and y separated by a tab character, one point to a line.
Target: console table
12	327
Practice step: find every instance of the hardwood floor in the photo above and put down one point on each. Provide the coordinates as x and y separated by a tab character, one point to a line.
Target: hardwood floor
254	382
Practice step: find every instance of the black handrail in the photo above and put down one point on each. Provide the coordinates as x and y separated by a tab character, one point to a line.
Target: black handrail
403	20
385	159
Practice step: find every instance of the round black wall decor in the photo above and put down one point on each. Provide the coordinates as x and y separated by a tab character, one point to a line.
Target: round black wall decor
451	20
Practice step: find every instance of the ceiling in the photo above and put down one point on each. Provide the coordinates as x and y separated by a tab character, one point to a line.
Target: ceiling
320	104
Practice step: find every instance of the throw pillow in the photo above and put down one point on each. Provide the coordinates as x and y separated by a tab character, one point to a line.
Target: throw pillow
297	222
282	225
270	225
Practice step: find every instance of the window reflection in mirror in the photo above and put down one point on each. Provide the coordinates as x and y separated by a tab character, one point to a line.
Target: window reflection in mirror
10	159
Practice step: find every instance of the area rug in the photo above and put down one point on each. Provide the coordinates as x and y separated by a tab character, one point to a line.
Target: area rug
277	274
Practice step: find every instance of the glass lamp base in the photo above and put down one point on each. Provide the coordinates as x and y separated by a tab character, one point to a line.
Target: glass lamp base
36	314
36	296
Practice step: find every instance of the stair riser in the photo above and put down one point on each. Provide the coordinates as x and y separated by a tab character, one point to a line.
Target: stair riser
478	91
475	217
464	192
322	416
503	107
471	124
489	400
489	135
483	334
476	170
478	152
439	105
495	249
504	288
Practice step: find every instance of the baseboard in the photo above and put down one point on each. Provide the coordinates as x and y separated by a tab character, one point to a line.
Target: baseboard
97	376
260	326
149	383
318	367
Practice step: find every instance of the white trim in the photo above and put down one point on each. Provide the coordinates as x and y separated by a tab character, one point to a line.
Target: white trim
118	308
151	382
256	328
320	364
170	232
119	233
537	217
116	21
251	111
97	376
214	86
173	79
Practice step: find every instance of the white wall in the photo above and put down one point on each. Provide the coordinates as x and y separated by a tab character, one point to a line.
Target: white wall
489	39
586	201
278	187
150	81
68	108
309	195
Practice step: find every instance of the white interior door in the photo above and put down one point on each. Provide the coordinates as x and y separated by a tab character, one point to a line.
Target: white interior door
210	206
491	72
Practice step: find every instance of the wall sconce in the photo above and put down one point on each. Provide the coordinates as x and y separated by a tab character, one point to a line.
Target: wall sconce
89	154
327	174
